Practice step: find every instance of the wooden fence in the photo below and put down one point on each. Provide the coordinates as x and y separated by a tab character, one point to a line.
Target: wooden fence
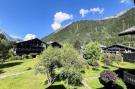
129	57
129	78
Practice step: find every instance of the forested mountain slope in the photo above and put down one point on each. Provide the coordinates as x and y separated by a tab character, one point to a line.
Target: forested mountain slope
105	31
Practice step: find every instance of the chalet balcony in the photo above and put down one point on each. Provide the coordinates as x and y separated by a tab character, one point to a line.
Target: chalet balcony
129	78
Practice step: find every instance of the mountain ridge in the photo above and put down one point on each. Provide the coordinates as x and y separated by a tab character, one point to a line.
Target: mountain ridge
8	37
95	30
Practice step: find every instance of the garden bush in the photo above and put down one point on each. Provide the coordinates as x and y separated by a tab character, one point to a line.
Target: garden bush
30	57
93	52
108	78
71	77
60	64
24	56
95	65
15	58
109	58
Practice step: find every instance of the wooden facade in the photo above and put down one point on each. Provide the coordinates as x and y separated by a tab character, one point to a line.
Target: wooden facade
54	44
30	47
118	48
129	76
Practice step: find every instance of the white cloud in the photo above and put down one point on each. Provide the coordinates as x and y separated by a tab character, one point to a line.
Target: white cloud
56	26
97	10
124	1
83	12
29	37
59	18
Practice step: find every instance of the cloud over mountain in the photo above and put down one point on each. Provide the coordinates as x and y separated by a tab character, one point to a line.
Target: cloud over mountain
84	12
59	18
29	37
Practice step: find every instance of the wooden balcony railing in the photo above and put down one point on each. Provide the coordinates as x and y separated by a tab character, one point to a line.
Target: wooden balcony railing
129	78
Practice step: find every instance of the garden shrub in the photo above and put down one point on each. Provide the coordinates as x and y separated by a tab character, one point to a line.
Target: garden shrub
108	78
24	56
109	58
61	64
30	57
15	58
118	58
95	65
107	62
71	77
93	52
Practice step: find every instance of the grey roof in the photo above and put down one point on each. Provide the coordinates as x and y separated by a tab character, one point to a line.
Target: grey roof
129	31
121	46
28	40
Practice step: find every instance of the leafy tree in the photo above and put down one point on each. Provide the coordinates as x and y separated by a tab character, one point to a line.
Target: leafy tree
62	63
77	44
93	52
49	61
4	48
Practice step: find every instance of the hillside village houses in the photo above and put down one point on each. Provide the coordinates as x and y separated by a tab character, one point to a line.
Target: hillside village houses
33	47
129	75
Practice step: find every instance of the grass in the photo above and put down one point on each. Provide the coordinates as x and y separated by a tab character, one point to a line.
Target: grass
94	83
27	80
125	65
18	66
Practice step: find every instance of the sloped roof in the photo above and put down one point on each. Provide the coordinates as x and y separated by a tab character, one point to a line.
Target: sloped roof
121	46
129	31
29	40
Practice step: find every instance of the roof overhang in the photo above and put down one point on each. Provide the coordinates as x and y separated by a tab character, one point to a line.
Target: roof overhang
130	31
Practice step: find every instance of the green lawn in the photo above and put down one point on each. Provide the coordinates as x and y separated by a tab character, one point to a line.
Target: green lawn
94	83
18	66
29	80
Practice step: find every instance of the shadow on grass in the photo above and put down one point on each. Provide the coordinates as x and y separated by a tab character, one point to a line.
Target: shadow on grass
7	65
105	67
2	71
56	87
101	88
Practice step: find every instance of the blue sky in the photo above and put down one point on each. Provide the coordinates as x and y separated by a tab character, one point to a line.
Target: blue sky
42	17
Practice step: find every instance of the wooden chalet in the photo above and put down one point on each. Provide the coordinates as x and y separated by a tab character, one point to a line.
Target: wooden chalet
54	44
30	47
118	48
129	75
